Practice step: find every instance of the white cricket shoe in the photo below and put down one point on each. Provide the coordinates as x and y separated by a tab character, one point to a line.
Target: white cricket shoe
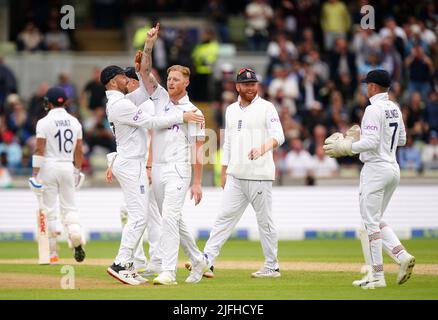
138	277
123	274
207	274
198	270
165	278
266	273
150	271
405	270
370	282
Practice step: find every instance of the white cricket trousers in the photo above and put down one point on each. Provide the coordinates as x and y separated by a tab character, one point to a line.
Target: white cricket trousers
131	174
236	197
58	180
170	183
378	182
153	233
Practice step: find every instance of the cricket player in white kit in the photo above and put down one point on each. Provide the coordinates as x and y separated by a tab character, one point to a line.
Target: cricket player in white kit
130	121
56	165
172	157
252	131
382	130
153	229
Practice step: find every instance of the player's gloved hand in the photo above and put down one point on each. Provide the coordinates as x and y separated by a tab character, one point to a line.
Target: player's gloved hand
36	185
79	178
337	146
353	133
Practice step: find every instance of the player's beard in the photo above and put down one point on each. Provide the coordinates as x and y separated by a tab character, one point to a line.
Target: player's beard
248	96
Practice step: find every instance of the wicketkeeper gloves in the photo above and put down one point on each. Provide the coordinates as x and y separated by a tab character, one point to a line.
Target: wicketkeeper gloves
337	146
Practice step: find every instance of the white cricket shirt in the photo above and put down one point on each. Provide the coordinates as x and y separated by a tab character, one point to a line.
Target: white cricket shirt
246	128
61	131
174	143
382	130
129	122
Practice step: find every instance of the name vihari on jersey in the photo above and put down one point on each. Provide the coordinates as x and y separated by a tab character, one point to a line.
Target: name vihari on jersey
62	123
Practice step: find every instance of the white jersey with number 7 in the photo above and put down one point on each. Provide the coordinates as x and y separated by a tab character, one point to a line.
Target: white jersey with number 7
382	130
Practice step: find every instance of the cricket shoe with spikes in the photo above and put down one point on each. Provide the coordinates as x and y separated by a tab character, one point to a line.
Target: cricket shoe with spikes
370	282
165	278
405	270
150	271
79	253
209	274
124	273
266	273
198	270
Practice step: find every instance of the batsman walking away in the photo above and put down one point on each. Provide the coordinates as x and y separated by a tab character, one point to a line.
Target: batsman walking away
56	166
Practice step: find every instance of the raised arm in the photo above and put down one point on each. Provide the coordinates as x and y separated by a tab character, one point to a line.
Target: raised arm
149	80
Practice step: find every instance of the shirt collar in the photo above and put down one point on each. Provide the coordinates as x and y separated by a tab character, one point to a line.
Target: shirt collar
114	93
183	100
379	97
58	109
255	98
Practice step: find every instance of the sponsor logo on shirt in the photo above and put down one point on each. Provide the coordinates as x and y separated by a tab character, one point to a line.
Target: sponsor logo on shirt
175	128
239	125
142	189
275	120
370	127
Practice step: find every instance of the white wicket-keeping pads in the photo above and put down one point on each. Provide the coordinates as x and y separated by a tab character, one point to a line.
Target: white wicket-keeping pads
353	133
337	146
36	186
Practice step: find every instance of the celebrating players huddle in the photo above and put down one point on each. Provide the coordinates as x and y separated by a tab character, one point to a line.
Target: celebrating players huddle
160	135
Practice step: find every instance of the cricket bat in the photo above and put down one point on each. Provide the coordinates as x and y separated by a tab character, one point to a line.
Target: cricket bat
42	233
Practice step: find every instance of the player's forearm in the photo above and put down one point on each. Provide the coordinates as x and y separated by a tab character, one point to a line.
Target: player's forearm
149	81
271	144
38	156
197	165
78	156
149	161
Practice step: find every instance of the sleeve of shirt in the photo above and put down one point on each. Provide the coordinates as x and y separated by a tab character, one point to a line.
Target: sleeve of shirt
402	132
226	147
129	114
40	130
160	95
274	126
196	129
138	96
370	131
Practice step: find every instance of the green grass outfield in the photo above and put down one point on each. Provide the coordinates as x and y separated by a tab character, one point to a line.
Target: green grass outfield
22	279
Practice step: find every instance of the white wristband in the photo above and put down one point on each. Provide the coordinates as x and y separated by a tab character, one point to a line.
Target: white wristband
37	161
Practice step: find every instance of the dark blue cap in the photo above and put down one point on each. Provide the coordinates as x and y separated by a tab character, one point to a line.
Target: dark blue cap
110	72
378	76
130	73
56	96
246	75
